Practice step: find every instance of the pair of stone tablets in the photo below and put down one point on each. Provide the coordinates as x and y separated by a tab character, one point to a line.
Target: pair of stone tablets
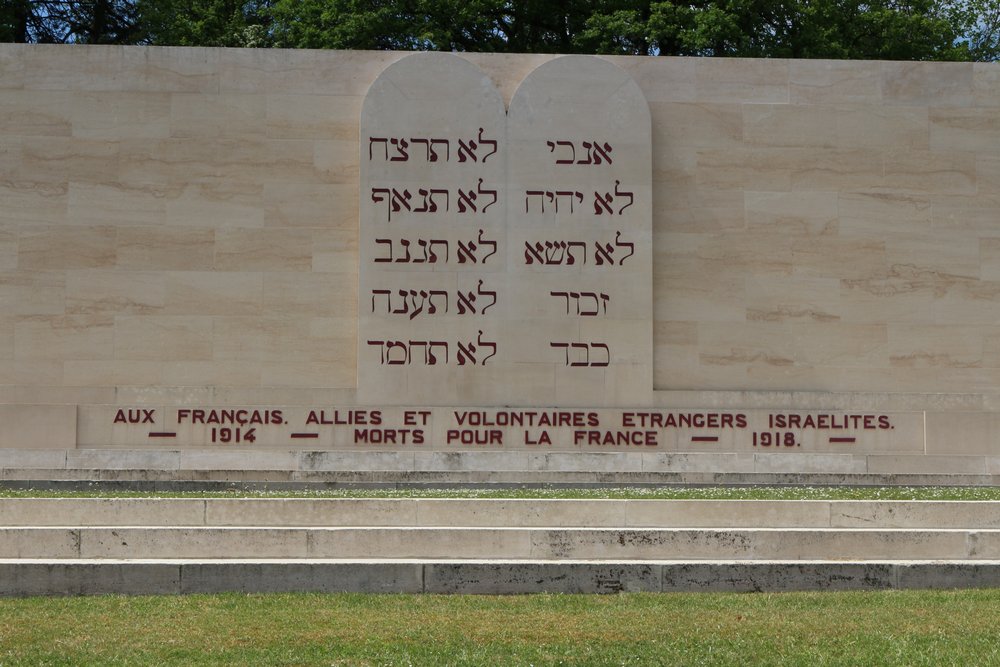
505	254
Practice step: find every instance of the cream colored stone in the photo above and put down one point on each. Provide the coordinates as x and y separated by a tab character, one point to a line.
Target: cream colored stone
92	291
771	299
32	292
703	125
263	250
38	426
164	248
30	202
834	82
943	345
171	70
76	67
810	213
214	293
63	337
887	127
944	172
213	116
911	83
36	113
742	80
310	116
151	337
60	160
789	125
697	210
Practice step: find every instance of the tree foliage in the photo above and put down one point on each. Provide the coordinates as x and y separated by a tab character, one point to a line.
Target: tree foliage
872	29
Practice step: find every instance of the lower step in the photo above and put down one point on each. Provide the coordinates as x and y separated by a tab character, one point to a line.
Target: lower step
510	543
23	577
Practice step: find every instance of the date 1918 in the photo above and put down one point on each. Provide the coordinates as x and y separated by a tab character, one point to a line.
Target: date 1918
775	439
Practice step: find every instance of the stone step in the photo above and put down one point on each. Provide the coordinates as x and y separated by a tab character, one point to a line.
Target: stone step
428	512
170	577
510	543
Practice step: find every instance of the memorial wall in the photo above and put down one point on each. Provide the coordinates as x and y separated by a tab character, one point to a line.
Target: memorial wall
713	264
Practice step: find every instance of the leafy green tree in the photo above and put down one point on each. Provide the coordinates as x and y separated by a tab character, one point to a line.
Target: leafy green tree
64	21
205	22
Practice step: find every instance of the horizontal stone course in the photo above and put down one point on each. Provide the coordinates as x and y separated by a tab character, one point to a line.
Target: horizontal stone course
19	578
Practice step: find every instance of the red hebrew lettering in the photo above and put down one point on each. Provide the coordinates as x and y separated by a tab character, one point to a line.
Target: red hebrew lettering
483	242
406	246
621	194
447	149
483	142
384	242
486	293
493	193
630	246
378	140
466	200
467	150
488	344
533	253
571	159
401	155
602	203
534	193
603	253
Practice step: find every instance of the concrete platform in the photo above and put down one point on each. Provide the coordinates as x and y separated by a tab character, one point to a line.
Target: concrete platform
167	545
28	577
453	512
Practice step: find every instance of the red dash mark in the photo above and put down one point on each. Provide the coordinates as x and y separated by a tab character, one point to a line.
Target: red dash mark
705	438
305	435
162	434
843	439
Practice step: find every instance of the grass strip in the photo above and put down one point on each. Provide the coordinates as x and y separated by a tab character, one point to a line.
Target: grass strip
638	493
869	628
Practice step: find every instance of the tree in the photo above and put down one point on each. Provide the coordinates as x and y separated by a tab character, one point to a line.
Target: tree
871	29
65	21
205	22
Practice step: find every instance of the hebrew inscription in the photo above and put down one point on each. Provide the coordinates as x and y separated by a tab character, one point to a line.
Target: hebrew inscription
505	255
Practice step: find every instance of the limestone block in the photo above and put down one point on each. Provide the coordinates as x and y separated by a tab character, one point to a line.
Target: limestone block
76	68
742	80
75	248
789	125
721	513
170	249
102	511
834	82
40	543
63	337
916	84
751	577
873	543
506	578
257	577
171	70
132	543
420	543
801	213
901	514
309	512
37	426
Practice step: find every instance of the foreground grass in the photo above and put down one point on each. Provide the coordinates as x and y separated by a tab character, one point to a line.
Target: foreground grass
869	628
664	493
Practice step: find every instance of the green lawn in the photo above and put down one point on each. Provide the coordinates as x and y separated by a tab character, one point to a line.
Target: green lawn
708	493
872	628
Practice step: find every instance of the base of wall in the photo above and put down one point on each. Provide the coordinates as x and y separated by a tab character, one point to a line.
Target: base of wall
171	577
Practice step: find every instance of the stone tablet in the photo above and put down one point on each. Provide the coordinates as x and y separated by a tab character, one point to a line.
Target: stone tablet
580	231
433	163
505	261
